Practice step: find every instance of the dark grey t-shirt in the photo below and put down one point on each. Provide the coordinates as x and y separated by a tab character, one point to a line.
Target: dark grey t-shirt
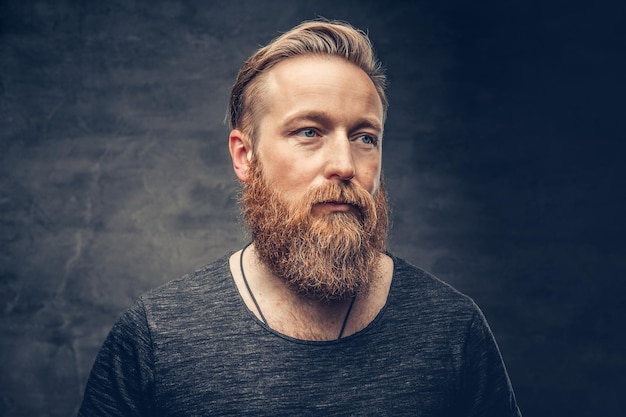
192	348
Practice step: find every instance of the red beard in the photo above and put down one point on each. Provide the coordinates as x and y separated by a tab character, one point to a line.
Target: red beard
326	257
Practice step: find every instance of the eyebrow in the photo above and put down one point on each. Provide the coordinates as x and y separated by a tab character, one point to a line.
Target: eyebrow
324	118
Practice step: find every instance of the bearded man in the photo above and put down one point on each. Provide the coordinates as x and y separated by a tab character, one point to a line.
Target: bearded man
314	317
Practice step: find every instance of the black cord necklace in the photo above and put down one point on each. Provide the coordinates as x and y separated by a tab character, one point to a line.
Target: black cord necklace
256	304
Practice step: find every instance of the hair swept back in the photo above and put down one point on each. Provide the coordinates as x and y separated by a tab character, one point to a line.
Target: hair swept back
314	37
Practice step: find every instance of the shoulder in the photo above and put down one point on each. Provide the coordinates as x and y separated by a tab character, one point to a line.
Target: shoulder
199	284
187	301
416	289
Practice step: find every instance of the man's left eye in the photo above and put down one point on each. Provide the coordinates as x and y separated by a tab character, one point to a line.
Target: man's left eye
307	133
368	139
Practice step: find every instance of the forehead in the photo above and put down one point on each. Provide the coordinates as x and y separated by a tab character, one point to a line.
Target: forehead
316	83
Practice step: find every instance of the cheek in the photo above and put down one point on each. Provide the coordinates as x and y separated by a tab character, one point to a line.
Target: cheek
370	177
286	174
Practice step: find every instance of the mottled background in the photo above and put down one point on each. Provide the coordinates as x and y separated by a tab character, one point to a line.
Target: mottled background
503	154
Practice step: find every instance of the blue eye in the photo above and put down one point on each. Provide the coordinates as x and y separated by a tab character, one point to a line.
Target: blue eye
368	140
307	133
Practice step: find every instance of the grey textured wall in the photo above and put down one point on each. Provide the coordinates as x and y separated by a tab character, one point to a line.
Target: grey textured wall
503	158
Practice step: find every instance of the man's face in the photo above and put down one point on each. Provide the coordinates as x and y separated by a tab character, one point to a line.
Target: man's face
322	121
312	195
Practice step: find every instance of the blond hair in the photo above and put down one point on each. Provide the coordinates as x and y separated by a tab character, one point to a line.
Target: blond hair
316	37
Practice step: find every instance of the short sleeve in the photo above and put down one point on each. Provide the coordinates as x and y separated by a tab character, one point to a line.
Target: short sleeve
121	382
487	388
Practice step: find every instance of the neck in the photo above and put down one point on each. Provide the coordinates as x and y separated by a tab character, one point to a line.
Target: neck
298	316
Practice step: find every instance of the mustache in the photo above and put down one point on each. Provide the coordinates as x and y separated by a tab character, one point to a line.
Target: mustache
343	193
337	192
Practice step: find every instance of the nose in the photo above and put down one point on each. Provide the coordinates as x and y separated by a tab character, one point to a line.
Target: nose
340	161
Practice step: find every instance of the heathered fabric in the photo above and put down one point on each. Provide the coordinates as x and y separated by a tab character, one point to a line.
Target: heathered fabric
192	348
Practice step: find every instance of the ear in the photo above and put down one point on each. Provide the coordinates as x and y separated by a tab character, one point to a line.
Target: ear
241	153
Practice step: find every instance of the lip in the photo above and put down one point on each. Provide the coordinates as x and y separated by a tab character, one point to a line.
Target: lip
334	207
